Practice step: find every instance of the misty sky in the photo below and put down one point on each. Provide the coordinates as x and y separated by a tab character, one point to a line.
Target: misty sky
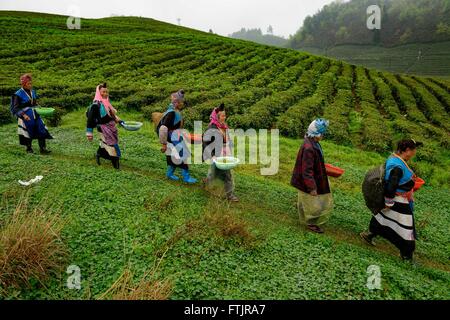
222	16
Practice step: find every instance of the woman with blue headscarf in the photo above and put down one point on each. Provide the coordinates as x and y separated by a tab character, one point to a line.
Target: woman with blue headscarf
315	201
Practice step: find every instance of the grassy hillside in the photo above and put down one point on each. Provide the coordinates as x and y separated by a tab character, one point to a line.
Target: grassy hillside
144	61
204	246
425	59
188	239
339	31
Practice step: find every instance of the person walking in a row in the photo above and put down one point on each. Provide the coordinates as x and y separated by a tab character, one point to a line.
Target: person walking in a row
315	201
396	221
172	140
102	115
218	129
30	124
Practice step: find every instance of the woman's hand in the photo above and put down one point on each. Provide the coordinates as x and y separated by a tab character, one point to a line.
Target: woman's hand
313	193
164	148
26	117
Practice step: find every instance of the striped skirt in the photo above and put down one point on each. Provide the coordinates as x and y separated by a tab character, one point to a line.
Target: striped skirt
396	224
112	150
31	129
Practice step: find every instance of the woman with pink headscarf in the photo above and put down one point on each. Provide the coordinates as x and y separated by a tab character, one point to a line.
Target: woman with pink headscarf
102	115
30	124
217	143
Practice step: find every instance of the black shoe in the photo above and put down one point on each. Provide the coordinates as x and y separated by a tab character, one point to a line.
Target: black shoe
45	151
30	150
366	237
116	164
97	158
314	228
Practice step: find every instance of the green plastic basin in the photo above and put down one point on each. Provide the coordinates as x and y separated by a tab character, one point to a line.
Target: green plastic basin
45	112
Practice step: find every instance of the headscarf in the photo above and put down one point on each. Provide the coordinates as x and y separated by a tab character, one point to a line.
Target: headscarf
317	128
25	78
177	96
214	118
109	108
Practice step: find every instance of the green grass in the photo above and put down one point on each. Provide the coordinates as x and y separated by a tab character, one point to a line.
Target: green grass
135	217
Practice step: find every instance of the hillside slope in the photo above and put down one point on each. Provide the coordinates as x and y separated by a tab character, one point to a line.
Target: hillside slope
136	219
413	39
206	247
423	59
263	87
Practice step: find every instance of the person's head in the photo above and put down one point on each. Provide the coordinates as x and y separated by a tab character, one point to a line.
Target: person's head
317	129
177	99
221	116
103	88
26	81
407	148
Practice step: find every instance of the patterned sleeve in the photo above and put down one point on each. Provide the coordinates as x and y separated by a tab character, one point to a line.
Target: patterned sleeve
308	169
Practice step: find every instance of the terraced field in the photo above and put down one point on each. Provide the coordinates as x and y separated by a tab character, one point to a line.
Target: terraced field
188	240
264	87
426	59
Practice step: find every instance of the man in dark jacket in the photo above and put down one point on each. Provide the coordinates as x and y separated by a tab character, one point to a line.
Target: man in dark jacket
310	178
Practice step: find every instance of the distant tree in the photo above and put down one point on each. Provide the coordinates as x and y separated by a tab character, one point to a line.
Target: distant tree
256	35
443	29
403	21
270	30
406	36
342	33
